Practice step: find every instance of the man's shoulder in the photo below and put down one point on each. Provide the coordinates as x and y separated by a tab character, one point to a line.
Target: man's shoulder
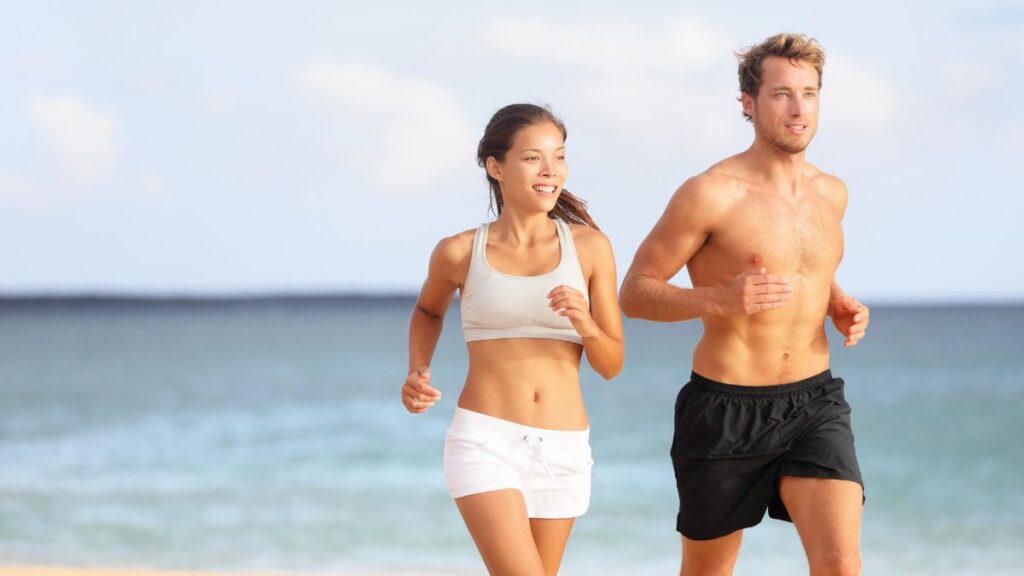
827	184
823	180
831	188
716	185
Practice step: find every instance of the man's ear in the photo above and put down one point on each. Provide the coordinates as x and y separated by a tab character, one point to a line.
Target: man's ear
748	104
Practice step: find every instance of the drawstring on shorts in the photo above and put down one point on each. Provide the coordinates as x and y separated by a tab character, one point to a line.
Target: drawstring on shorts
537	443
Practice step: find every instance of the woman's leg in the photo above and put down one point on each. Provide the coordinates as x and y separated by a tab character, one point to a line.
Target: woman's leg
550	536
499	526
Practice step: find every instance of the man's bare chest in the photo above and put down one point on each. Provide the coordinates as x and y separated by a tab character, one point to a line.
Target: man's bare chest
785	237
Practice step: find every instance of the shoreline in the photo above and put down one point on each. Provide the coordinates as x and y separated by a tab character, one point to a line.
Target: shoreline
36	570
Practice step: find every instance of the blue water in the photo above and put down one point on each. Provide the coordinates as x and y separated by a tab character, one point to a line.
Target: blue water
269	435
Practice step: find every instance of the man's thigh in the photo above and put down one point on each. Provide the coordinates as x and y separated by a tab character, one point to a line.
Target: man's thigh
827	514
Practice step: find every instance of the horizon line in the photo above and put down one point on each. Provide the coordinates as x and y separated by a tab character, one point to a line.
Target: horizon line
186	297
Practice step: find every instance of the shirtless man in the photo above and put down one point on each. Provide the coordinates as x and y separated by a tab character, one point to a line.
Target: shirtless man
762	424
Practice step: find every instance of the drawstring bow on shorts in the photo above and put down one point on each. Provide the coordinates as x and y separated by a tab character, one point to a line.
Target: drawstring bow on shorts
537	443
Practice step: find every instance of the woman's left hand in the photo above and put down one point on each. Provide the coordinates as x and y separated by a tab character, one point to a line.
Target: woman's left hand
569	302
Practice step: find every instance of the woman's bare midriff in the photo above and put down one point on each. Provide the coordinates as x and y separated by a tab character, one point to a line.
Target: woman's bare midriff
530	381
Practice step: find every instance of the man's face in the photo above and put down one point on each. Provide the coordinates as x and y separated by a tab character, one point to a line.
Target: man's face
785	111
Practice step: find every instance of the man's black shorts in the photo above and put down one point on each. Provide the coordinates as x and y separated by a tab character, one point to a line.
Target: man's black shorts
732	443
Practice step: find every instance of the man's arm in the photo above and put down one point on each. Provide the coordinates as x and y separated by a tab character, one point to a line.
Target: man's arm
849	315
681	231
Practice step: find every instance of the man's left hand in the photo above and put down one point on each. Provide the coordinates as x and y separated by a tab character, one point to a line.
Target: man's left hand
851	318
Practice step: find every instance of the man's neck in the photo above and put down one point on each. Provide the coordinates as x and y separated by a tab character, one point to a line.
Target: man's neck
780	169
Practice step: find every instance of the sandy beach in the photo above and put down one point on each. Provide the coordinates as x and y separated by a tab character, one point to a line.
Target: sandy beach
69	571
72	571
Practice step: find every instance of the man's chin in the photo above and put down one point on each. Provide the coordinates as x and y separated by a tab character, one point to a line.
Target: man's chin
791	145
794	147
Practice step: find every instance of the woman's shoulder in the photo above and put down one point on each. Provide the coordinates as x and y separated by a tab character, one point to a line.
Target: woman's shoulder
588	237
454	249
592	245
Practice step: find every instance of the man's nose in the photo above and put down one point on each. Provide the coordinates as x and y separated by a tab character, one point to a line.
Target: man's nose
797	106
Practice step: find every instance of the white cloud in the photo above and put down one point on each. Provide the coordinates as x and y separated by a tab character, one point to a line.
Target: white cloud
681	45
677	77
662	111
82	138
651	83
420	130
854	99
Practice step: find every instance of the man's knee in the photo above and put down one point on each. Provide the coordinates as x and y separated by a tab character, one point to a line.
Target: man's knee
836	565
708	566
706	570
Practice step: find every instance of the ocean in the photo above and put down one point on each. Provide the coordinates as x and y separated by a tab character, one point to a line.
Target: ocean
268	434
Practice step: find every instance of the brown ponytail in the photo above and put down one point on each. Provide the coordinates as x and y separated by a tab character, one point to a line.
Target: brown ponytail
497	140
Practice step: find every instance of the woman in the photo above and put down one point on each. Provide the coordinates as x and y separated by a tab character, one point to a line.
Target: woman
537	289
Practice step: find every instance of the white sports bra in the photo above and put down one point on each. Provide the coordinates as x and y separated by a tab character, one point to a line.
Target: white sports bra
497	305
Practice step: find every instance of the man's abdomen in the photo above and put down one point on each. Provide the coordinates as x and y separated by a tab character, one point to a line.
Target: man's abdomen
771	347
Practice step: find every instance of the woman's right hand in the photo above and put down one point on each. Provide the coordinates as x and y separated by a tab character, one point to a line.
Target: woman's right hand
417	393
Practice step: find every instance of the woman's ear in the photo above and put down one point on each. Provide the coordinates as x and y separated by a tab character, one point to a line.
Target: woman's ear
493	168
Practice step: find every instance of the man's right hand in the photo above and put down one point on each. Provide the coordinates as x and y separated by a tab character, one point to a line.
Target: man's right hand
750	293
417	393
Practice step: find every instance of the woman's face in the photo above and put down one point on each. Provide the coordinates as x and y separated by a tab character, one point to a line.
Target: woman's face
534	168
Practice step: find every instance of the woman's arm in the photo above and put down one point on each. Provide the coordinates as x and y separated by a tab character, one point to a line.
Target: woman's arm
428	319
600	323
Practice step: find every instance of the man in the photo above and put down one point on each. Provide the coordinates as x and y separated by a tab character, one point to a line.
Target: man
762	424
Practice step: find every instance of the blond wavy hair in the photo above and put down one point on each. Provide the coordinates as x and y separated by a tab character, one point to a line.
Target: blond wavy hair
795	47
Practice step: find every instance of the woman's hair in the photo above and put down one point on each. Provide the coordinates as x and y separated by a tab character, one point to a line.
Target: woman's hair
497	140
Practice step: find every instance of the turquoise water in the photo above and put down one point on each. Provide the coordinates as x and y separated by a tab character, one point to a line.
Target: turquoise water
270	435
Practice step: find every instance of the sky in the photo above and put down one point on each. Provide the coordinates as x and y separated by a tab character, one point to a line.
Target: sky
234	148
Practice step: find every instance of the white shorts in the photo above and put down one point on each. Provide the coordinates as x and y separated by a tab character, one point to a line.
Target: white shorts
551	468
